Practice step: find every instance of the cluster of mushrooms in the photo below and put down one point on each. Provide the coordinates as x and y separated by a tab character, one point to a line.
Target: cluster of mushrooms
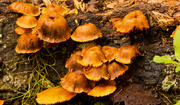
50	27
135	20
91	70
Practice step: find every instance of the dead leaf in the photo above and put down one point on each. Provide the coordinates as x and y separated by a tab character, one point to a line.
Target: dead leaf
91	6
135	94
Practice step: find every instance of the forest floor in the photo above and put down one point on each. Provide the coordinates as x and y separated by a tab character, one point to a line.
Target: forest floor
144	83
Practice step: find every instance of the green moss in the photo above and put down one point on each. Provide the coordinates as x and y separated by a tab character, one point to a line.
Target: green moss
37	80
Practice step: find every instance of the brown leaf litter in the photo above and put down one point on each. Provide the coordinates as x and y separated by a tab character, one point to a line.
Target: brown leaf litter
135	94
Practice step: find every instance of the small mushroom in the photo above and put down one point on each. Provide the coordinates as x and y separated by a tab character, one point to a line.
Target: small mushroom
52	28
72	64
177	28
115	70
86	32
1	102
26	21
25	8
104	88
55	8
20	30
54	95
75	82
125	54
109	52
93	57
28	43
116	22
134	20
96	73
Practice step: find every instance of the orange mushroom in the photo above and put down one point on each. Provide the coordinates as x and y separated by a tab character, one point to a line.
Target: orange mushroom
28	43
26	21
1	102
116	22
72	64
109	52
34	30
93	57
87	48
75	82
104	88
25	8
54	95
125	54
20	30
86	32
55	8
96	73
134	20
52	28
177	28
115	70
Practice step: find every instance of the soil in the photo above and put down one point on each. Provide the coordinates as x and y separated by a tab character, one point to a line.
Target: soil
143	80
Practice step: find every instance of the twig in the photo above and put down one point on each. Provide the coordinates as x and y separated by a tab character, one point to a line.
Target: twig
47	2
166	97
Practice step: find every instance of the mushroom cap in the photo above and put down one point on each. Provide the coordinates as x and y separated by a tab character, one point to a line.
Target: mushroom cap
28	43
177	28
135	19
1	102
96	73
125	54
116	22
53	28
93	57
109	52
75	82
26	21
20	30
87	48
86	32
54	95
115	70
55	8
104	88
72	64
25	8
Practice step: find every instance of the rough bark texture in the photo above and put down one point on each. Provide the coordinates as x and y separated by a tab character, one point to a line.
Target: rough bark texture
154	41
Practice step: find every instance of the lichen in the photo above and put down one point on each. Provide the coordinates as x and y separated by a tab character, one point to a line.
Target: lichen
6	78
13	82
171	81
